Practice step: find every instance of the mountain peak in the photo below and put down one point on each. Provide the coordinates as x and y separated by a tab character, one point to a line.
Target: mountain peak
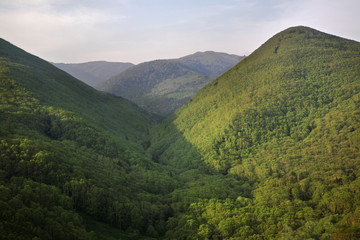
298	68
294	38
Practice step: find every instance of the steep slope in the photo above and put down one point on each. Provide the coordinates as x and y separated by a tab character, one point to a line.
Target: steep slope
69	155
162	86
287	118
93	73
269	150
55	88
73	163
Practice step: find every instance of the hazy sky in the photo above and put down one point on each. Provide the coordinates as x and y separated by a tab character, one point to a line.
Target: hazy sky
143	30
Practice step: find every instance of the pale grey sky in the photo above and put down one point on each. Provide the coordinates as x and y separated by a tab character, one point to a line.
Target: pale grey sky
142	30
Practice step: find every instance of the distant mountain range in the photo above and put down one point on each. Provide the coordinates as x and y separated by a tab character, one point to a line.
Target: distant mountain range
268	150
93	73
162	86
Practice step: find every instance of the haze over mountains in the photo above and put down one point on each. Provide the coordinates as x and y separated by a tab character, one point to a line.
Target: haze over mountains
93	73
162	86
268	150
159	86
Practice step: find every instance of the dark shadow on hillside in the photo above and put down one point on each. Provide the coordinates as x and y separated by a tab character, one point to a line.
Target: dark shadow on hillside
196	179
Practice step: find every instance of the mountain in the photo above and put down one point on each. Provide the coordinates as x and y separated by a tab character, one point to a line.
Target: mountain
69	156
269	150
159	86
74	164
286	120
162	86
93	73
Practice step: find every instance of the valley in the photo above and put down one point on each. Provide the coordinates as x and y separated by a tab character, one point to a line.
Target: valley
267	149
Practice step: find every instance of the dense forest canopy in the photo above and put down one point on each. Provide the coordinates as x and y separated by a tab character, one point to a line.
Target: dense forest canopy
269	150
285	120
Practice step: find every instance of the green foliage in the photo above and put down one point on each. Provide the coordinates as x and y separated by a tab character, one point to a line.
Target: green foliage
54	88
270	150
73	163
66	148
286	120
30	209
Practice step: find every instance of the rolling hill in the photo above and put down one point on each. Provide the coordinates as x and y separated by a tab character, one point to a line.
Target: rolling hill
286	119
93	73
162	86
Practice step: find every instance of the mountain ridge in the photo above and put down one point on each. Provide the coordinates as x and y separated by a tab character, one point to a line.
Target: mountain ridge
162	86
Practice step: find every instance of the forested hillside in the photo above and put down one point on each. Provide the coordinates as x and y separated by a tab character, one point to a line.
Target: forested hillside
72	158
286	119
269	150
73	161
162	86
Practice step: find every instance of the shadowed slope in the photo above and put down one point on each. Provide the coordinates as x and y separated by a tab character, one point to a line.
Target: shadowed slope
67	149
56	88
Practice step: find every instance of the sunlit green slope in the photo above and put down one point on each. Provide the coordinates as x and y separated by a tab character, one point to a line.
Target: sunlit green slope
288	118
